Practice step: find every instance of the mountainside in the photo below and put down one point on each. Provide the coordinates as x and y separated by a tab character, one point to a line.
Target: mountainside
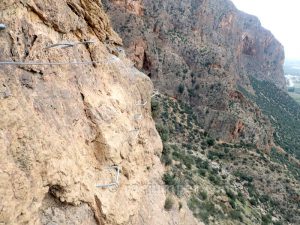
198	51
237	123
87	138
224	183
283	112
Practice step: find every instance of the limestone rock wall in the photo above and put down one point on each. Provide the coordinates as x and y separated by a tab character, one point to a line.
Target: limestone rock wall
62	127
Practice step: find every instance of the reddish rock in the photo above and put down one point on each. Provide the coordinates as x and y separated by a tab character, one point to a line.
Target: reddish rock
211	48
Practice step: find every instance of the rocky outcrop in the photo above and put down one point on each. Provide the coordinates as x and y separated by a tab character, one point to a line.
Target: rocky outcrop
66	120
227	34
201	52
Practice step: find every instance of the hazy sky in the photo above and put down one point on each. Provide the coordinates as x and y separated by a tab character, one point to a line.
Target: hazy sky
281	17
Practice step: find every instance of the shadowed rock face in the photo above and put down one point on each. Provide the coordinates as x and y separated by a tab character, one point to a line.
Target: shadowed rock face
207	47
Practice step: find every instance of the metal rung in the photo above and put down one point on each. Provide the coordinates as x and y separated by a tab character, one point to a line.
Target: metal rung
155	92
142	103
138	116
2	26
46	63
54	63
69	44
135	130
115	183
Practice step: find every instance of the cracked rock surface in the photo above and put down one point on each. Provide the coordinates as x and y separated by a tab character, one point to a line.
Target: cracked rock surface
63	126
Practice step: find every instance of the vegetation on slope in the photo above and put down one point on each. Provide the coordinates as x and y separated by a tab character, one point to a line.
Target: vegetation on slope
283	112
222	182
295	96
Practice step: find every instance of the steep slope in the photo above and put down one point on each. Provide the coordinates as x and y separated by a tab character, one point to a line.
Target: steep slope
224	183
198	51
69	113
283	112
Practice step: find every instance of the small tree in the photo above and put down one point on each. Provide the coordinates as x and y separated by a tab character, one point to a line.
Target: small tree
210	142
180	88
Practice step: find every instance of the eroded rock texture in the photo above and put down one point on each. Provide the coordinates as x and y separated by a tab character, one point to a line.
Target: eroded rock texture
63	126
201	51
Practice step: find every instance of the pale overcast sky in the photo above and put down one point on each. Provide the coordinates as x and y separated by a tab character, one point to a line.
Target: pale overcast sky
281	17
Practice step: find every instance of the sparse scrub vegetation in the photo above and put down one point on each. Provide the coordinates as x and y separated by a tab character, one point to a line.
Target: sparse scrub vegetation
163	132
282	110
236	215
203	209
196	162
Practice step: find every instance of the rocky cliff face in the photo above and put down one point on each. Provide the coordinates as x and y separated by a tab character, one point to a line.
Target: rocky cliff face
74	108
225	36
62	126
200	52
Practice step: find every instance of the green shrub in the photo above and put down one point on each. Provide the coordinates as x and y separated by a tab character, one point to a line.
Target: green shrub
215	179
207	209
173	184
202	164
180	88
165	157
214	155
264	198
266	219
202	172
241	198
203	195
226	150
230	194
210	142
251	190
253	201
166	160
243	176
232	203
193	203
163	132
202	210
154	105
188	161
236	215
169	179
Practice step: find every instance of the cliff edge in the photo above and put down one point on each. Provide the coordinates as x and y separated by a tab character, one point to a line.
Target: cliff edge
74	118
